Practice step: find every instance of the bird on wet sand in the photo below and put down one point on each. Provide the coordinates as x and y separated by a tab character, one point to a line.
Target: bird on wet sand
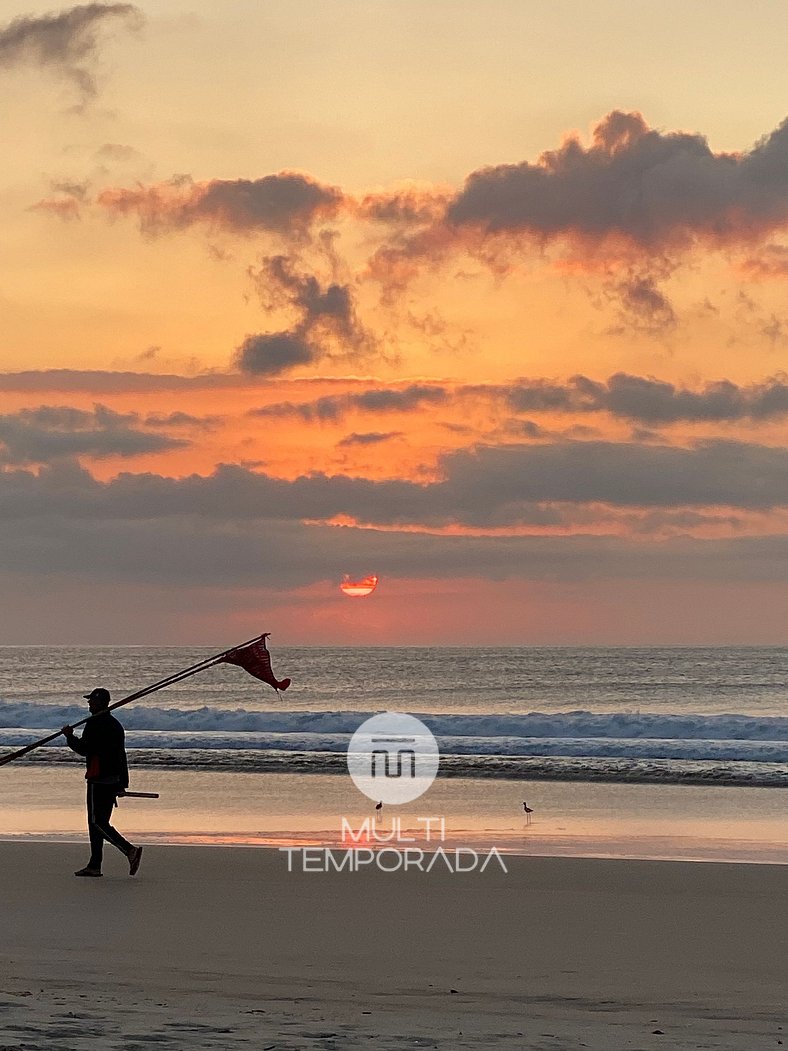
528	812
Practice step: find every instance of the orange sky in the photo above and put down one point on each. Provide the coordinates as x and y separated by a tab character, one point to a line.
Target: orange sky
269	322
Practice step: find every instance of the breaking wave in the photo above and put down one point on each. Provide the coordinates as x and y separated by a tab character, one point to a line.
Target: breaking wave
619	725
582	745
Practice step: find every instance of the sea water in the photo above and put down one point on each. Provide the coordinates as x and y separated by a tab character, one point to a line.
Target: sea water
679	752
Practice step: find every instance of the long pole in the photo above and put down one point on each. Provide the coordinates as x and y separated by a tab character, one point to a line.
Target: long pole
167	681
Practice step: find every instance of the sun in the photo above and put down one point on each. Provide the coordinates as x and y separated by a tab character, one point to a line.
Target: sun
358	588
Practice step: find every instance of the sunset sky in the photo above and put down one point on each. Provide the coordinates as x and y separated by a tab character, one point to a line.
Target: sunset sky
485	298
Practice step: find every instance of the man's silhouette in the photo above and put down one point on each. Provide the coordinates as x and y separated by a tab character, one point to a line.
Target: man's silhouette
103	745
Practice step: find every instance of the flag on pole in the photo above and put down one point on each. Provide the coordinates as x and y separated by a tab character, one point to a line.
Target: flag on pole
256	659
251	655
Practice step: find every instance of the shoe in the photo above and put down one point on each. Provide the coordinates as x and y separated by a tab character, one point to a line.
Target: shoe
135	857
88	871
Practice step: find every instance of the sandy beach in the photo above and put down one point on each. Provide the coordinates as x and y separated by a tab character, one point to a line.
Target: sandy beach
217	947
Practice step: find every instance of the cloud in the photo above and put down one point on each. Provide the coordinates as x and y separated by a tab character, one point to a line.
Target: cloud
492	487
635	198
623	209
406	207
69	204
96	381
526	429
638	399
148	528
333	407
643	400
329	305
650	401
65	43
771	261
644	306
406	400
651	189
370	438
325	323
270	354
653	401
49	433
182	419
287	204
117	152
63	207
490	483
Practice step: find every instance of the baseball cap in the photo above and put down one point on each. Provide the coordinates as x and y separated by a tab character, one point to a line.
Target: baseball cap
99	694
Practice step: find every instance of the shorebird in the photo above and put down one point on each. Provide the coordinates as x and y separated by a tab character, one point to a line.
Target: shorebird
379	806
528	812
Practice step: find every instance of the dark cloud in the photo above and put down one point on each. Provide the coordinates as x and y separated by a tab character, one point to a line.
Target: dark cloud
679	521
405	400
638	399
635	195
330	304
577	395
644	306
328	409
65	43
652	189
527	429
287	204
709	474
369	438
182	419
491	487
270	354
62	521
325	323
333	407
49	433
406	207
650	401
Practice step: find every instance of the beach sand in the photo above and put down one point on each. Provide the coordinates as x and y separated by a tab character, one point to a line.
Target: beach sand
221	947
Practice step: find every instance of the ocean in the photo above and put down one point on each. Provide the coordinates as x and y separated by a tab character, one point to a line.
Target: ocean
671	715
619	728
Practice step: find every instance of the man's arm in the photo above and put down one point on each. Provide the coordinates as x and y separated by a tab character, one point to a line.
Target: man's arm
76	744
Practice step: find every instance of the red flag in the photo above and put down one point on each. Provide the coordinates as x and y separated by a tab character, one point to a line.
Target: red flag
256	659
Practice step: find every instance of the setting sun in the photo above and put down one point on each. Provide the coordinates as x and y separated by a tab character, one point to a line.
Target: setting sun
358	588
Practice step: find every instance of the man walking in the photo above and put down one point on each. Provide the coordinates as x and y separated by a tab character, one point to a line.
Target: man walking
103	745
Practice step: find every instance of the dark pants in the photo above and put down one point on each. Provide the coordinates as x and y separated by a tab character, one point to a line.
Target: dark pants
101	800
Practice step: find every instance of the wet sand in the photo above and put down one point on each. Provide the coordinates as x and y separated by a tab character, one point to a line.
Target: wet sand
662	822
221	947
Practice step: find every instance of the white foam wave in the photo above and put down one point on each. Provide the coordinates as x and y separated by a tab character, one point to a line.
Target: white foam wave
519	768
644	748
569	724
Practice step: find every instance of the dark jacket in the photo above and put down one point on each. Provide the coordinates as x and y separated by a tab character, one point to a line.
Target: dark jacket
103	745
